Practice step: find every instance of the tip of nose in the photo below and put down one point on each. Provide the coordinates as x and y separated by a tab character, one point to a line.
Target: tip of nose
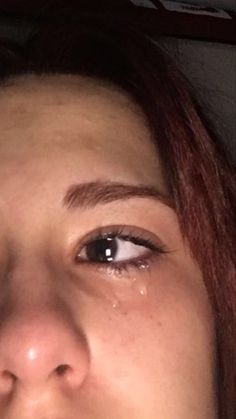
41	349
61	369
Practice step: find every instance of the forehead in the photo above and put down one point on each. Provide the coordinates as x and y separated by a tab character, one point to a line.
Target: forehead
84	95
68	114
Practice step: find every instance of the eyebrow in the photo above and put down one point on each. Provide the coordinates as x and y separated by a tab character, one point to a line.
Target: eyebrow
91	194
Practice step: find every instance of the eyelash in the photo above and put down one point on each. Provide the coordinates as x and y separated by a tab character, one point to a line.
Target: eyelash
123	267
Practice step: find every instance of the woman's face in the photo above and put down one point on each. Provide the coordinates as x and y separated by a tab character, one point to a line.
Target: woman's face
103	312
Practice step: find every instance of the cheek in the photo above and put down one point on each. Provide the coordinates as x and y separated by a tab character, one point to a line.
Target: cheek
161	343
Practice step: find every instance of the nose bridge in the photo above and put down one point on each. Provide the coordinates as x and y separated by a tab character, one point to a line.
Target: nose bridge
28	278
40	341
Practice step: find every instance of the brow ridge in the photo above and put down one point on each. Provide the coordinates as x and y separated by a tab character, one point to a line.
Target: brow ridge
95	193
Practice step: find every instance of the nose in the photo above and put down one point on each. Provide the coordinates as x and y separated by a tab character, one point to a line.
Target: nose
41	348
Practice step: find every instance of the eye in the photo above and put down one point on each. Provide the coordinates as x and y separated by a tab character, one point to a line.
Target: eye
117	247
112	249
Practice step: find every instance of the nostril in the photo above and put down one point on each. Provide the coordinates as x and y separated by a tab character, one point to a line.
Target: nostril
62	369
6	375
7	382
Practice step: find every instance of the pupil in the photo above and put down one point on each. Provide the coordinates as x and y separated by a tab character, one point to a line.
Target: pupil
102	250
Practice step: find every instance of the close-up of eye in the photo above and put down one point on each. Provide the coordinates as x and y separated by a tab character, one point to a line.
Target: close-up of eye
117	247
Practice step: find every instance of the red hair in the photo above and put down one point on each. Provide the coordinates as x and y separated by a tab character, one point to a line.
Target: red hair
201	180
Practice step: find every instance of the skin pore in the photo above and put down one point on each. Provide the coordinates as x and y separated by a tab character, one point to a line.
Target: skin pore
81	339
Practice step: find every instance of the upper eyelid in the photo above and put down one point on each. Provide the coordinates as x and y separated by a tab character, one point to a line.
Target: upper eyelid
152	244
131	239
120	230
137	241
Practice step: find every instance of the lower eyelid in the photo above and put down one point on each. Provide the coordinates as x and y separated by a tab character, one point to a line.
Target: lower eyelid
140	264
130	269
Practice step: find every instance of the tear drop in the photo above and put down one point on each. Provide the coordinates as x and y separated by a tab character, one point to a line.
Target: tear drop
141	264
142	289
115	304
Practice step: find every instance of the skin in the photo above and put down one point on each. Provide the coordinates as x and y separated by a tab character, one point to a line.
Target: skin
139	343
